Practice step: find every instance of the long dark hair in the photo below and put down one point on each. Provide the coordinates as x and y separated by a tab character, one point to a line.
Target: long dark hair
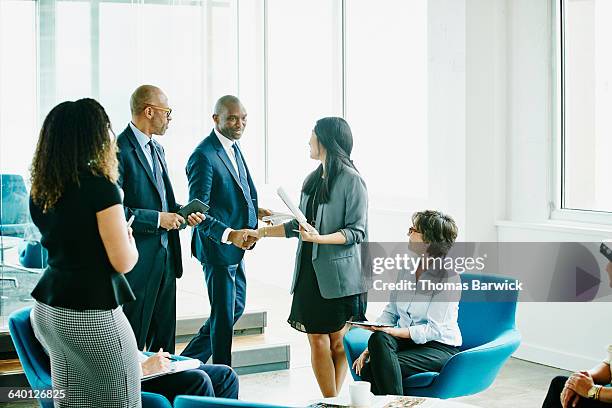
74	139
335	135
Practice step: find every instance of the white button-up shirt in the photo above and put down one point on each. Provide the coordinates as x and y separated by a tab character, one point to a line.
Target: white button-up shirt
428	315
228	146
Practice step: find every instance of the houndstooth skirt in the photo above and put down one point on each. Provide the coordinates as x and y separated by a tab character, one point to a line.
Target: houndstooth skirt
93	354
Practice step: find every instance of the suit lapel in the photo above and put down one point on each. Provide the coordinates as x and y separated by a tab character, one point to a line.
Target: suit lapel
225	158
143	160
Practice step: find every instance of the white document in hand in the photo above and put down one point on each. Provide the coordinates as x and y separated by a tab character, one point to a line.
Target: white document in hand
299	216
278	218
176	367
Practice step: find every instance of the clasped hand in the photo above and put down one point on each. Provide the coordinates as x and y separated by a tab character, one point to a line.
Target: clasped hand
244	238
578	385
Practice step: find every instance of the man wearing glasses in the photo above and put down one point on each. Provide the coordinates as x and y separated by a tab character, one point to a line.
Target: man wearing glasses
148	196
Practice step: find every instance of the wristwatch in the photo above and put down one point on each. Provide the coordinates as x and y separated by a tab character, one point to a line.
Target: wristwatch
593	392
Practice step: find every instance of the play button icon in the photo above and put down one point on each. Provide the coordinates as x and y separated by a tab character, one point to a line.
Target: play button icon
586	285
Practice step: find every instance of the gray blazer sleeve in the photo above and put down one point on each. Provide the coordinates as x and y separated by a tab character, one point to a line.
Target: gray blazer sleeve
290	227
355	216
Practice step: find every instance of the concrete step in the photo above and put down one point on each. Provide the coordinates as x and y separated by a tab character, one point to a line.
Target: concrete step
256	354
251	322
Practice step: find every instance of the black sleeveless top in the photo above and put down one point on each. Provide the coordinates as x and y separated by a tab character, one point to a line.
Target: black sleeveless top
80	275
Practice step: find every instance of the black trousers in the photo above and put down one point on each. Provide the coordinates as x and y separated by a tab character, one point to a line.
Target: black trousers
553	398
153	314
206	381
392	359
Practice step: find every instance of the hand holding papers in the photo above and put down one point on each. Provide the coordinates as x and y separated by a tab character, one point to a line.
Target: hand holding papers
277	218
299	216
175	367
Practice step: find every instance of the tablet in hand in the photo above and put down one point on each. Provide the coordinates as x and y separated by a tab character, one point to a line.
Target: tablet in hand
370	324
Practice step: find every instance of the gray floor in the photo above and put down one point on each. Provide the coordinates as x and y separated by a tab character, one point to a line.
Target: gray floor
520	384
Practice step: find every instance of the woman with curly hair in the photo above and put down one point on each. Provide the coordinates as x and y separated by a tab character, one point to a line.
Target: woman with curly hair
78	209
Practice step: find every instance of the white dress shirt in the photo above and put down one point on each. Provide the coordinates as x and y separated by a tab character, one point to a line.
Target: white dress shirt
428	315
228	146
143	140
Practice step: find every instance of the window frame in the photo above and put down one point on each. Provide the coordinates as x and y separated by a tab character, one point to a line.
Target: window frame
557	209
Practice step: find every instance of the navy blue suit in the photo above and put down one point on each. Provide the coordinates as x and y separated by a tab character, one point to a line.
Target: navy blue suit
153	279
213	179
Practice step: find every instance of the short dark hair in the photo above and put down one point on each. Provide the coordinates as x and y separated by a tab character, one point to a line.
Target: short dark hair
439	231
224	101
74	139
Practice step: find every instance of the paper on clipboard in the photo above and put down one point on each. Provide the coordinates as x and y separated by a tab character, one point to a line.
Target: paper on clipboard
299	215
175	367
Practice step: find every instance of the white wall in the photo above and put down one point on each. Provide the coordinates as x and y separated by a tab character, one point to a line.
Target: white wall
563	335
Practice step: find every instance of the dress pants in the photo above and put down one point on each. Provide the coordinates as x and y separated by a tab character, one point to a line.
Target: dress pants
205	381
392	359
553	398
153	315
226	286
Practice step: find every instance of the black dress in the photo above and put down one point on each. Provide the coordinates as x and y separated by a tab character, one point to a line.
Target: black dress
311	312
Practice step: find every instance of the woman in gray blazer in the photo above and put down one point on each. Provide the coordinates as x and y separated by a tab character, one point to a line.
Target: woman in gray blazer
328	285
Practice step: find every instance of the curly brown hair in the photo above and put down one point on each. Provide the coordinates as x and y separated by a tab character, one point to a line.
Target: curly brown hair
439	231
75	138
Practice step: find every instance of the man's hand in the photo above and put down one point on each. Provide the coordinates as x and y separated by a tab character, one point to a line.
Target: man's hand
263	212
156	363
243	239
609	270
580	383
170	221
195	218
360	362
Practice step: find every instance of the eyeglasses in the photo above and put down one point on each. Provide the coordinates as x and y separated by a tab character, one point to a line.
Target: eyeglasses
167	110
412	229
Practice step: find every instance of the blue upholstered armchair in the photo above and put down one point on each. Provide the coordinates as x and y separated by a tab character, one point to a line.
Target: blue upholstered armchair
184	401
36	365
489	339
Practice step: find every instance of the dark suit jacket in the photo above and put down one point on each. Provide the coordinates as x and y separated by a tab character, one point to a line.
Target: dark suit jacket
142	199
213	180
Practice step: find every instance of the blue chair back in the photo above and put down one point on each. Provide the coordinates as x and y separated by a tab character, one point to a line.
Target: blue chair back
36	364
32	356
184	401
484	315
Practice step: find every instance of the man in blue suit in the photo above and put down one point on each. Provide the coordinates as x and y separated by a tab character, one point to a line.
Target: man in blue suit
148	196
218	175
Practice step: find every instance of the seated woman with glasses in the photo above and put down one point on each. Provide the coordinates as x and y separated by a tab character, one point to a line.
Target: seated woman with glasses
425	333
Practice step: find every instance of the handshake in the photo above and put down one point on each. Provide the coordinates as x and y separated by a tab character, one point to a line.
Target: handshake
244	238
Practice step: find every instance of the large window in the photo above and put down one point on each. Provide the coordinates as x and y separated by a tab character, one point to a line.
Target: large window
387	97
586	105
290	62
18	135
